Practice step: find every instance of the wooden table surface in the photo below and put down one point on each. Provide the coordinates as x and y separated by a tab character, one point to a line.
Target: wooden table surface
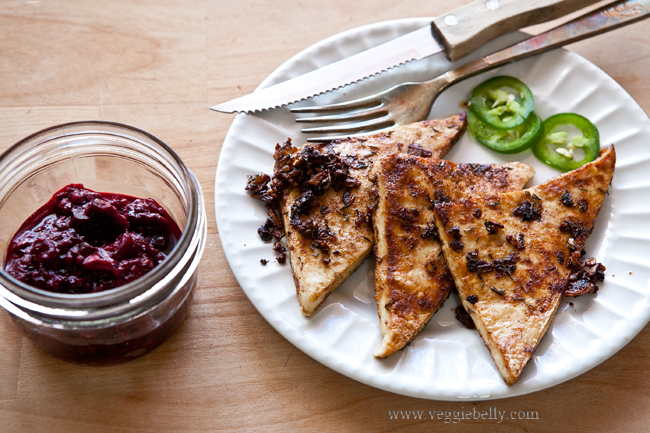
159	65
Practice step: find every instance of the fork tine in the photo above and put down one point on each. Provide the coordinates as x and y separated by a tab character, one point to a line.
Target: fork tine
343	137
356	104
353	116
368	125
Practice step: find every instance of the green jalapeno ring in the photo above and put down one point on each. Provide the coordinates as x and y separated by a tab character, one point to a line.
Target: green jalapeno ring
524	135
499	109
590	142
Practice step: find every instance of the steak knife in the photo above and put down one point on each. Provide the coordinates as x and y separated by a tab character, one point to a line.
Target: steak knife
456	34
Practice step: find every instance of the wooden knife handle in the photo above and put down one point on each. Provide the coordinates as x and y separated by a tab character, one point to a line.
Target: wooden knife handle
604	19
463	30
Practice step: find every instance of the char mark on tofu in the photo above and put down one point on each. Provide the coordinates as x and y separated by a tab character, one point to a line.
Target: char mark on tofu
480	169
408	217
417	150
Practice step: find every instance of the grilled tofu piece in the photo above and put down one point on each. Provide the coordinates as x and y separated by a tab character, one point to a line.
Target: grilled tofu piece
342	238
411	279
514	254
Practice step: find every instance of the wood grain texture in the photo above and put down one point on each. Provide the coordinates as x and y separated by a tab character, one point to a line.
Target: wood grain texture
159	65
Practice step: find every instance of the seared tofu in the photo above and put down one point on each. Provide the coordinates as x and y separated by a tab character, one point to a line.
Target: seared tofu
345	215
411	278
511	256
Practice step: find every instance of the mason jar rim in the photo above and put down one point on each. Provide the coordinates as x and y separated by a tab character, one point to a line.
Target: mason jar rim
130	296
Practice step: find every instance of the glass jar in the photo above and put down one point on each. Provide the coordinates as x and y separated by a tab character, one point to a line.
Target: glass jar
123	323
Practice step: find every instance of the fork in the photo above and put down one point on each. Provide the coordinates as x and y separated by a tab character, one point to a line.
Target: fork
410	102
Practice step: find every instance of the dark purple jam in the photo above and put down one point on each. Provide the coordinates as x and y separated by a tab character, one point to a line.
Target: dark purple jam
83	241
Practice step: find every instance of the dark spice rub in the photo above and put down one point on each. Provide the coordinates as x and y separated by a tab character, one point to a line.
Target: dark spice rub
464	318
492	227
83	241
583	279
314	172
516	241
528	211
477	266
503	266
326	199
565	199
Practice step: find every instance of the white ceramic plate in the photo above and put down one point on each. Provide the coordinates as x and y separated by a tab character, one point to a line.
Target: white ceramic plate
447	361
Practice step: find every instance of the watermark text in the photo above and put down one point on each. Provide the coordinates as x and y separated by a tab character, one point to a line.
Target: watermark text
456	416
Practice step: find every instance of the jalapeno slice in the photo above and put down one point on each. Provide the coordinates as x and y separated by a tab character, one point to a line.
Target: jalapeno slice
502	102
513	140
554	147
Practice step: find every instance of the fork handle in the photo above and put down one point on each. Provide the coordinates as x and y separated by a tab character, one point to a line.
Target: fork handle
607	18
465	29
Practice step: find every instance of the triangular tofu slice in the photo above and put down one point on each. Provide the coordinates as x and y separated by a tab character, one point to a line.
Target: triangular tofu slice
511	256
331	234
411	279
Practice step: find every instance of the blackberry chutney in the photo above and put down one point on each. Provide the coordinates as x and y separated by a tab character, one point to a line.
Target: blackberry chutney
82	241
98	278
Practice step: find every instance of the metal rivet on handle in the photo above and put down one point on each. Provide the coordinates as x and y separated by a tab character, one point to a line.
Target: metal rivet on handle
451	20
492	4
